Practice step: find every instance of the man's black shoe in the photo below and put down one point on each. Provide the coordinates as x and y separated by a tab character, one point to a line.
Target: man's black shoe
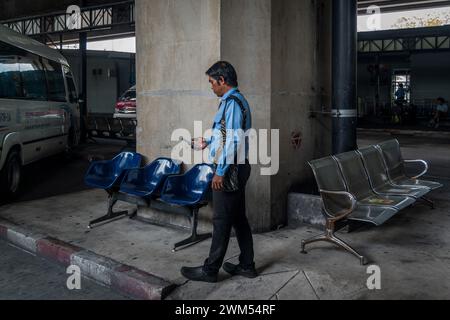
198	274
237	270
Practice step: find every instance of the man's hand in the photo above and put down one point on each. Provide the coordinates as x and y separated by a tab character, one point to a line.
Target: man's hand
199	144
217	183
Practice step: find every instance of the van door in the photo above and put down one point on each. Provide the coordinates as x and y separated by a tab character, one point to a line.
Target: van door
33	109
75	117
58	114
10	90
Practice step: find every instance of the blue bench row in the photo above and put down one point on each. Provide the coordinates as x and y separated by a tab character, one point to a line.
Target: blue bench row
160	185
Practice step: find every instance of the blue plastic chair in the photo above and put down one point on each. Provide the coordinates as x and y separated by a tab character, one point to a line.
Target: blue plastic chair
149	181
108	175
190	191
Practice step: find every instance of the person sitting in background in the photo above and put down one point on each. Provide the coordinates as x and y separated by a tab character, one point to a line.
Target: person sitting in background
441	112
400	94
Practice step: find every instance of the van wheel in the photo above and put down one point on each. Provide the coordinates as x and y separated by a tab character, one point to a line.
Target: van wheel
11	175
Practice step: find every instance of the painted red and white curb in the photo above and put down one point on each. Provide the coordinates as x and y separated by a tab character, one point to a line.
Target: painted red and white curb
128	280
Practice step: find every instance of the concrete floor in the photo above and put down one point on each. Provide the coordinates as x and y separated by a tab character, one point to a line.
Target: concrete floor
412	250
27	277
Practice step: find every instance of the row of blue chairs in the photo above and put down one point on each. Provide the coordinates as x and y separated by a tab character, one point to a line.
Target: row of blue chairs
159	185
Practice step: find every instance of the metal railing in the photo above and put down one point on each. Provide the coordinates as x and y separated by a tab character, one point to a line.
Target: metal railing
108	127
91	18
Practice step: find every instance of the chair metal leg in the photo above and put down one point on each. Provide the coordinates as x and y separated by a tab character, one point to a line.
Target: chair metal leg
110	216
318	238
348	248
428	201
194	238
329	236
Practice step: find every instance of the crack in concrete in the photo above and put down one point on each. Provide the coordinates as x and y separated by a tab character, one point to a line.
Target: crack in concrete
277	272
276	293
312	287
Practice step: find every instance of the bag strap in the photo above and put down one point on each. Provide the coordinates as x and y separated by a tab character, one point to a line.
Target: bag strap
241	106
223	129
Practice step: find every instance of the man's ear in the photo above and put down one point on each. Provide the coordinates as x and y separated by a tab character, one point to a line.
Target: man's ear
221	81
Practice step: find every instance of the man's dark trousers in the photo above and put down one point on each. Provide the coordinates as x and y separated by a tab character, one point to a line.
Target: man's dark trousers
229	212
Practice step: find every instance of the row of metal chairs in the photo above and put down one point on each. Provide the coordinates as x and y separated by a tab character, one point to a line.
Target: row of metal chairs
369	185
108	127
158	185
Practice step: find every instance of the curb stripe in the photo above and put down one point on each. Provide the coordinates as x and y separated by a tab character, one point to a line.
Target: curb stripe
22	241
3	233
117	276
140	284
56	250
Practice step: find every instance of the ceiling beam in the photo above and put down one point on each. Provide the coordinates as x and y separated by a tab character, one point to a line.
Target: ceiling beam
400	5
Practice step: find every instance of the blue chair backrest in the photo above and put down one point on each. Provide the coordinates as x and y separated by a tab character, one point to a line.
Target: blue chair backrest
192	185
156	172
126	161
197	181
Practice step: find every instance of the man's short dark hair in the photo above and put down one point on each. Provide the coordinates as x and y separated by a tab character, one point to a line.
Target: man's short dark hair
223	69
440	99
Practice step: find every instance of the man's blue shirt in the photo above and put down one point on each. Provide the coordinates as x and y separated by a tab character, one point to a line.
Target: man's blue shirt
235	136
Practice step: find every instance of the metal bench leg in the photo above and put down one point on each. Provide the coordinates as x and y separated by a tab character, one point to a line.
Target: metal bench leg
194	238
111	215
428	201
348	248
329	236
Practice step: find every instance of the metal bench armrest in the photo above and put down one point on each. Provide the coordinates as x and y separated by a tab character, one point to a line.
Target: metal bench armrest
425	164
348	195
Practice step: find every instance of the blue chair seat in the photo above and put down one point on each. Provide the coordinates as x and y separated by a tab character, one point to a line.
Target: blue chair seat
108	174
189	189
100	182
180	200
148	182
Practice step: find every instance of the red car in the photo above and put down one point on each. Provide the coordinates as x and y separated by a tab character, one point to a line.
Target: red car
127	102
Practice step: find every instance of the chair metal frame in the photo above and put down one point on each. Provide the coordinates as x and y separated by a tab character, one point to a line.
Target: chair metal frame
331	221
417	177
344	214
330	227
386	171
113	197
191	211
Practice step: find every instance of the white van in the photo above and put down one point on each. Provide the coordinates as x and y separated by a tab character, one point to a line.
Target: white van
39	110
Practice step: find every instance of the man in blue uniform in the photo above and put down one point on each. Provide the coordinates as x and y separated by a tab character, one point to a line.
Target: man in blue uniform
232	119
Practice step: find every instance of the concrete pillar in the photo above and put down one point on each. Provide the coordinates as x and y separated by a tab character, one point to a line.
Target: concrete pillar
281	50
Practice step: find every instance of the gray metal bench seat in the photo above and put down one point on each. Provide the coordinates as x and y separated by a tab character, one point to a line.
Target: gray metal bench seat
368	185
378	177
375	215
395	165
357	182
341	205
